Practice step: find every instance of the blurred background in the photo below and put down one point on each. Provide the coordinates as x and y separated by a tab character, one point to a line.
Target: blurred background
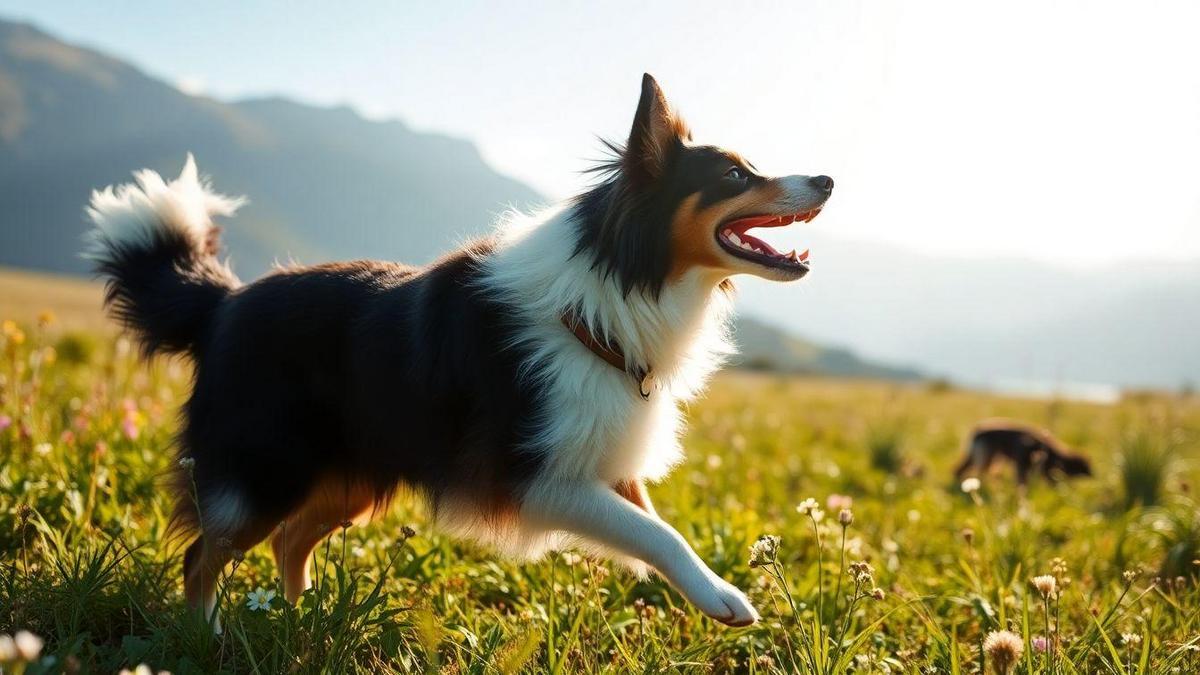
1017	205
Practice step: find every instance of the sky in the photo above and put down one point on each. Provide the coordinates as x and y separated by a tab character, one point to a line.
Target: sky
1065	132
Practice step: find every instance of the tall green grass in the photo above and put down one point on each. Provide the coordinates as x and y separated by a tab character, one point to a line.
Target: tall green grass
1147	459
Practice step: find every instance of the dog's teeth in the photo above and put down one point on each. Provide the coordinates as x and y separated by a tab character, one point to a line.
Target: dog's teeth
729	234
737	241
747	246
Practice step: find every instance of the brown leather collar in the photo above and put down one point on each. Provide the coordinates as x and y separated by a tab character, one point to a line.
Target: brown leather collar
611	353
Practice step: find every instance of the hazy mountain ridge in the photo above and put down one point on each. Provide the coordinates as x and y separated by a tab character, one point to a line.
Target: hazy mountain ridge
323	183
998	319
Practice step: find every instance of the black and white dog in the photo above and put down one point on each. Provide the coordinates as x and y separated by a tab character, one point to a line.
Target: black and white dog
527	384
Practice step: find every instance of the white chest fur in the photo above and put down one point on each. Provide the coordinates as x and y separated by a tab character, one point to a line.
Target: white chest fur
593	423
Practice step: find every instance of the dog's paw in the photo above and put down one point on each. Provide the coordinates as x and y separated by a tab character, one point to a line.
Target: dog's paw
725	603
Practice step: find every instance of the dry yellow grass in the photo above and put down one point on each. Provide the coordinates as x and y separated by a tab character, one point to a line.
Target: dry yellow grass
75	302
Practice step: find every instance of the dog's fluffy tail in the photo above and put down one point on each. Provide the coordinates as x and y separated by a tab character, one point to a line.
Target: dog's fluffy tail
154	244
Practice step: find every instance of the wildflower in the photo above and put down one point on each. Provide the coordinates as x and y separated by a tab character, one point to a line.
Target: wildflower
971	485
1131	639
1046	584
29	646
862	573
129	426
43	449
141	669
764	551
860	567
1129	575
765	661
1004	649
968	535
5	422
845	517
809	507
187	463
1058	567
877	593
1040	643
837	502
407	532
571	559
260	599
8	648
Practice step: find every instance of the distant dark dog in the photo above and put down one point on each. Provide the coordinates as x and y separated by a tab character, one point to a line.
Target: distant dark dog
1028	448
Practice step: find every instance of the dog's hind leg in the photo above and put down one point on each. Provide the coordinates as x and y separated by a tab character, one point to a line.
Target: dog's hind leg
206	558
332	505
596	512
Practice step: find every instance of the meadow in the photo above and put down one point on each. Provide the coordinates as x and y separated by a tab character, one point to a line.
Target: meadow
892	567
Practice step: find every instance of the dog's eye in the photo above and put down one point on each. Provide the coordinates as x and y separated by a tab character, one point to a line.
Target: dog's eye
736	173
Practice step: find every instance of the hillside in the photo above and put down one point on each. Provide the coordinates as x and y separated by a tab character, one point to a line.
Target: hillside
323	183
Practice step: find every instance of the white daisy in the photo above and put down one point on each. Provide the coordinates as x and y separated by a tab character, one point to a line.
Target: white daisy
260	599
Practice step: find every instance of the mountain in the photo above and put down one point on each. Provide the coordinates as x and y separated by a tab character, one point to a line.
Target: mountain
996	321
763	346
323	183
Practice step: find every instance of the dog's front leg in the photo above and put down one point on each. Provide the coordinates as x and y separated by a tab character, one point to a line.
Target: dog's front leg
596	512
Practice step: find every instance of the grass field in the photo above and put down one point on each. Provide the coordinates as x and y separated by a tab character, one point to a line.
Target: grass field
85	439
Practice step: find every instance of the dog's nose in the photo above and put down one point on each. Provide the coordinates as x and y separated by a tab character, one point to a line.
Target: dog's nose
822	183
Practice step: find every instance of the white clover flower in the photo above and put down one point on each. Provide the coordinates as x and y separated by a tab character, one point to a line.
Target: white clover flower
808	506
260	599
764	551
1046	584
1004	649
1131	639
971	485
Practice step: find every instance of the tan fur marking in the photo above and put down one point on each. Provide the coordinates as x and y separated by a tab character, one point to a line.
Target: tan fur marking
634	491
332	504
693	230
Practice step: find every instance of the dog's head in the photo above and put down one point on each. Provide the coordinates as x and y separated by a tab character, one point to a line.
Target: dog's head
666	206
1075	465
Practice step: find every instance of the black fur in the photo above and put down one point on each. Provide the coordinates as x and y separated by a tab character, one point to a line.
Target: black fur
371	372
162	287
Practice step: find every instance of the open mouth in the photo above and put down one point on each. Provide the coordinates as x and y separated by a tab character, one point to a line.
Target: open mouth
734	236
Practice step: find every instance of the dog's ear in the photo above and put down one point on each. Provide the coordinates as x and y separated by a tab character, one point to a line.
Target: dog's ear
657	131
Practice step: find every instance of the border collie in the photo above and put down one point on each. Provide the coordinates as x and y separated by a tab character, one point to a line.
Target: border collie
1026	447
528	384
